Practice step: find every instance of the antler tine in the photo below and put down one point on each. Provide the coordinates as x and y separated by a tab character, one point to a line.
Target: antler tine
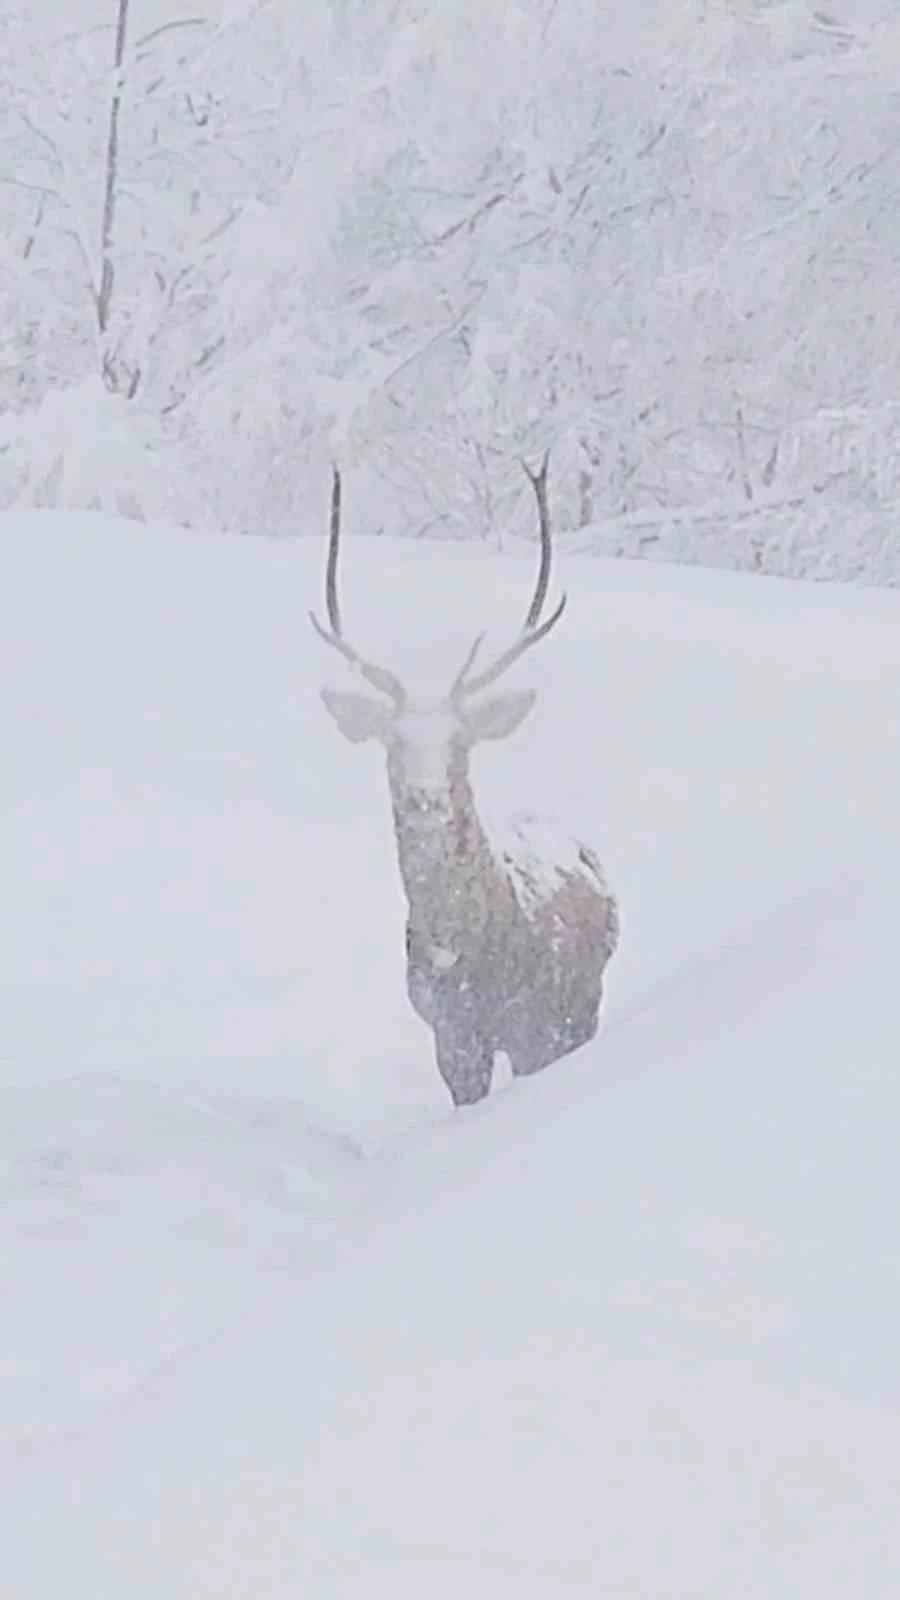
334	535
524	642
378	677
459	681
538	481
531	634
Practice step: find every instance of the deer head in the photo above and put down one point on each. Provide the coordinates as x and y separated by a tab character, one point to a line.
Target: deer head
428	741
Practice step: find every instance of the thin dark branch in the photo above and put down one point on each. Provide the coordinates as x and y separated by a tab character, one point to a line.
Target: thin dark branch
169	27
107	236
32	237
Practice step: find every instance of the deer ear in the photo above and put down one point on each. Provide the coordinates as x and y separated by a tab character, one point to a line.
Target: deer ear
357	716
499	717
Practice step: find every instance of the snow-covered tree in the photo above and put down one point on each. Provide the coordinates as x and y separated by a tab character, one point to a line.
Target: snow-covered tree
434	239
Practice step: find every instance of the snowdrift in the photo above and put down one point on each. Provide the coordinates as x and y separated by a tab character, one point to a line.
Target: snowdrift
279	1322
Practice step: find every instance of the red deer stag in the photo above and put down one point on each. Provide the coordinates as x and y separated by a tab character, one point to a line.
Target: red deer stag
507	944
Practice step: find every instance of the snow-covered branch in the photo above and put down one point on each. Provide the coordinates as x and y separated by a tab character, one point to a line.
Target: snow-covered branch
436	238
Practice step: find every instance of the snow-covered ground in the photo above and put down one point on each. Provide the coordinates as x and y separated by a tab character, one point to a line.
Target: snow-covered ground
275	1321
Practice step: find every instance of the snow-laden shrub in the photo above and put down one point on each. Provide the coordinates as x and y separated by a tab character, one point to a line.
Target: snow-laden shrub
86	447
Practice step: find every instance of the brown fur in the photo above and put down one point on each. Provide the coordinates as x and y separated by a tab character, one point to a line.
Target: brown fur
486	971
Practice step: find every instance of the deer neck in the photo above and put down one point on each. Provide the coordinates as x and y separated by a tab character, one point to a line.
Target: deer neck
445	862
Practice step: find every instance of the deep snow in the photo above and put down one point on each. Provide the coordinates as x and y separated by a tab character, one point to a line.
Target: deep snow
277	1322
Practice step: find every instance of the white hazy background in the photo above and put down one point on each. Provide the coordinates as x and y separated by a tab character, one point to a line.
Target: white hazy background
274	1321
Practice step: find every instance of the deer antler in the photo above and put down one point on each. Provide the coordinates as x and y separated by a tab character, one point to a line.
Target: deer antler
463	684
378	677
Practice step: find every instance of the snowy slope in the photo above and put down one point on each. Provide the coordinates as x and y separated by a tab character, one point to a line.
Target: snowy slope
278	1322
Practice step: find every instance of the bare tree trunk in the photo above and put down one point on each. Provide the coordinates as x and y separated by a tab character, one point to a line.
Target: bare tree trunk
746	480
107	271
585	497
590	457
